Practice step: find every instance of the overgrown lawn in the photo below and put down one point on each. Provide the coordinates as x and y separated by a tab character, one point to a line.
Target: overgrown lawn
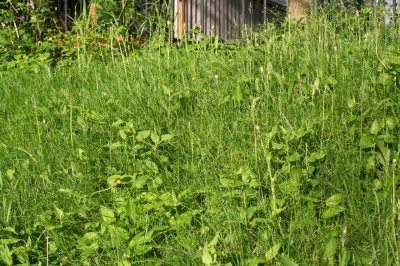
280	150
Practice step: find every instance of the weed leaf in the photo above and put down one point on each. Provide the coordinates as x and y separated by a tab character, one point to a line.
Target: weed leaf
155	138
206	258
367	141
277	211
142	135
167	137
287	261
10	173
226	182
6	255
330	250
334	200
107	215
375	128
272	252
214	241
332	212
315	156
254	261
115	145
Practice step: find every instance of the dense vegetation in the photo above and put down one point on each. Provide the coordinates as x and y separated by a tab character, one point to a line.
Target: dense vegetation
283	149
33	33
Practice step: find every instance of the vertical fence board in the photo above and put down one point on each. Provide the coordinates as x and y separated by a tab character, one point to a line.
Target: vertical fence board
220	17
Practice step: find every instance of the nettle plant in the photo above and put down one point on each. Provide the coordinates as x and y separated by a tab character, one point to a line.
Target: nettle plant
135	216
285	186
380	148
294	160
140	212
27	33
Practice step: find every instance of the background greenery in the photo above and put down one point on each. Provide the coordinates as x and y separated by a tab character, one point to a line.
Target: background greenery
281	150
32	33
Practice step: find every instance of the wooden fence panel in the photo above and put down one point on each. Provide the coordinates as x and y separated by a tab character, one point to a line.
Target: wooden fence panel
219	17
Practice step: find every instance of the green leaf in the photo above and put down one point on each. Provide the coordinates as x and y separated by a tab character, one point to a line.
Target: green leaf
316	156
129	125
118	235
59	213
370	165
287	261
295	157
295	173
367	141
214	241
48	225
395	59
351	102
344	258
9	229
331	81
206	258
226	182
6	255
66	191
391	123
112	179
117	123
122	134
332	212
183	220
142	135
142	249
9	240
81	122
291	186
375	128
363	261
167	137
146	237
10	173
115	145
377	184
154	137
107	214
330	250
272	252
384	78
152	166
88	238
334	200
277	211
277	146
254	261
140	182
166	90
124	263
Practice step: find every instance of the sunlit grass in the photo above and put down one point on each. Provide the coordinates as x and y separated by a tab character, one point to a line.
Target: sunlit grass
284	148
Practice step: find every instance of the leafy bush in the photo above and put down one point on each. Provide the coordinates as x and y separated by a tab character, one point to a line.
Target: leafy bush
32	35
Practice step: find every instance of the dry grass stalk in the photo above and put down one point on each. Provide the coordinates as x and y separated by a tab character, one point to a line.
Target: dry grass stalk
93	14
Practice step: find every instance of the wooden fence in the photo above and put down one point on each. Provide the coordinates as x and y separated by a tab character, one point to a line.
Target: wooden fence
222	17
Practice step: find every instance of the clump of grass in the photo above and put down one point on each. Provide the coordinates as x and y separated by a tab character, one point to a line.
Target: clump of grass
283	150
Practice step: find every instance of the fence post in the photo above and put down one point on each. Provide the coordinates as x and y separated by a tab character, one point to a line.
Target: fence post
179	19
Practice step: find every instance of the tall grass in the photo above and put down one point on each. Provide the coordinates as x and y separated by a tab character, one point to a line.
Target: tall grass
281	150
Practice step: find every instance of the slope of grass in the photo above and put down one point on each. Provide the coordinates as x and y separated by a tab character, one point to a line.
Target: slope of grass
281	150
